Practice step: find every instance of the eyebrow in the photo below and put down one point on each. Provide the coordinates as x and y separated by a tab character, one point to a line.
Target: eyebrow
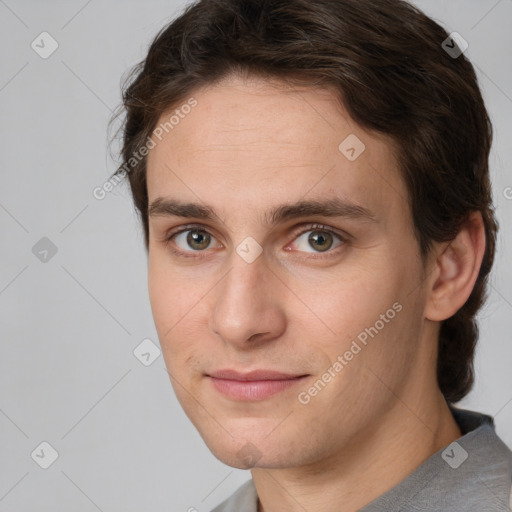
324	208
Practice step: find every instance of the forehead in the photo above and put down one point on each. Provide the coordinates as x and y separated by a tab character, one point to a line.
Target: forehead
250	143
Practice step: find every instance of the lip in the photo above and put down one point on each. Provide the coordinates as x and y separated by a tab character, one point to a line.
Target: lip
252	386
228	374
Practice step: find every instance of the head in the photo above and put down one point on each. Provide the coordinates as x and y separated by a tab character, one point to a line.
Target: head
312	180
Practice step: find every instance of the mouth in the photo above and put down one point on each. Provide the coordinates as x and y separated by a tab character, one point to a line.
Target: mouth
252	386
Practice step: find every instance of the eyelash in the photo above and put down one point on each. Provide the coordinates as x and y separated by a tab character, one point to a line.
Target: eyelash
310	227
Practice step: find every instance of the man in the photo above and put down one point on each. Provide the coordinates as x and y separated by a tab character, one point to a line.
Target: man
312	179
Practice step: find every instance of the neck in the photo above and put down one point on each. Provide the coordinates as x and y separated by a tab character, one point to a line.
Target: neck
376	460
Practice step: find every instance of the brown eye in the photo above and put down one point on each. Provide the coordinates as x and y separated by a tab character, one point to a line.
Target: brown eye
320	240
317	240
198	240
193	239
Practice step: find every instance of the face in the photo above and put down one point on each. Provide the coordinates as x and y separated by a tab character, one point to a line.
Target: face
284	275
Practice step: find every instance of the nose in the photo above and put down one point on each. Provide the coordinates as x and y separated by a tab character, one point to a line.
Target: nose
248	305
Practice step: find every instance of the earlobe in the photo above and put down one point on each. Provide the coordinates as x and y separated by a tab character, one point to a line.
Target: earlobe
457	267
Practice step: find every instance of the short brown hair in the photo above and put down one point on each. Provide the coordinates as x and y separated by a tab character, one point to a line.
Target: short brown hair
386	61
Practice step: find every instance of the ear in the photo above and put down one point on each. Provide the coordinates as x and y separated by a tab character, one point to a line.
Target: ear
455	270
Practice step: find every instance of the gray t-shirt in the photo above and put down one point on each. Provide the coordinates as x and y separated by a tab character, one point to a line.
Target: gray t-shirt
473	474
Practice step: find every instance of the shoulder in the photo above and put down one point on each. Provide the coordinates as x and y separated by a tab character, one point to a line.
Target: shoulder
474	473
244	499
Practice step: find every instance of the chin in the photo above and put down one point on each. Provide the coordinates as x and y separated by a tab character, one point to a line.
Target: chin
247	456
251	449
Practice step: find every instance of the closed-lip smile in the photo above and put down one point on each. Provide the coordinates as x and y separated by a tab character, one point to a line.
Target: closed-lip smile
254	385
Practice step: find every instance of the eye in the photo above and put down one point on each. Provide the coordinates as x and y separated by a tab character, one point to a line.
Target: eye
193	239
319	239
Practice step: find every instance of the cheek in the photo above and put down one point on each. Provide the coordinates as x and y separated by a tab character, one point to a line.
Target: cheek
172	294
173	303
181	305
366	318
345	303
161	296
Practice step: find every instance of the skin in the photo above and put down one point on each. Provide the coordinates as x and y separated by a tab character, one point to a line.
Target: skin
249	146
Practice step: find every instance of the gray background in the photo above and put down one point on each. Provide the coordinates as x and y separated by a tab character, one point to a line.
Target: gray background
69	325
